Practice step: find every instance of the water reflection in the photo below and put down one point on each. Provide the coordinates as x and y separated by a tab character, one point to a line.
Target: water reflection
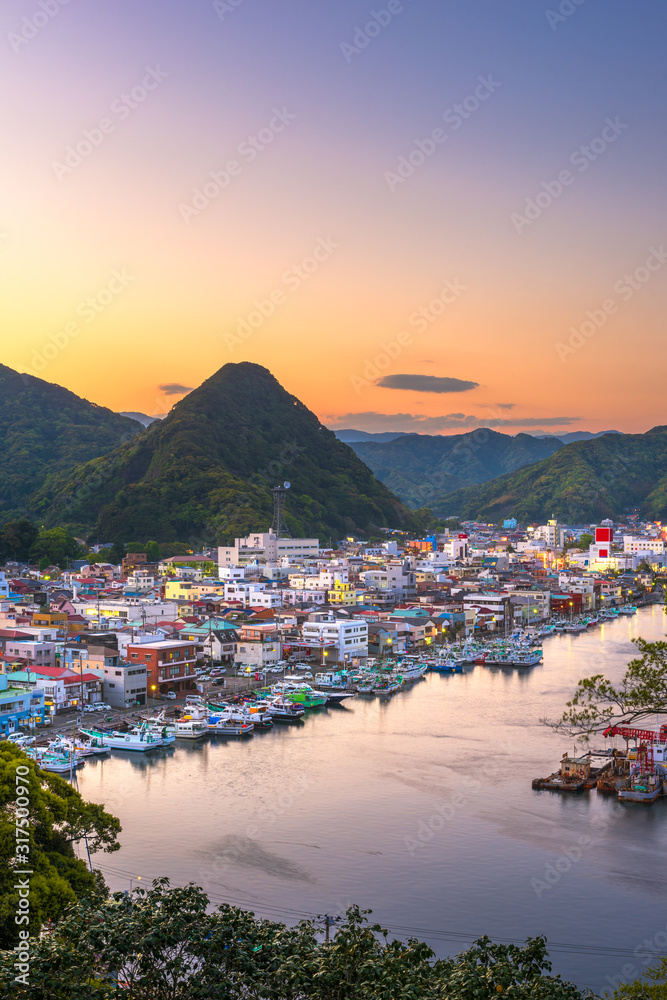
419	807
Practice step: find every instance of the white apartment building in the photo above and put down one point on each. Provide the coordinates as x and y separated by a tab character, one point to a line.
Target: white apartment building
252	595
42	654
342	639
395	577
127	609
648	548
4	587
266	547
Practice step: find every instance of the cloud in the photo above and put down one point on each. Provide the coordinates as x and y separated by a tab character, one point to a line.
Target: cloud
174	389
425	383
505	406
370	420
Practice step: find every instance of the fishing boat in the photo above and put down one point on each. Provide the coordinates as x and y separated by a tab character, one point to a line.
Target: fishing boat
219	725
283	710
301	693
140	740
190	729
57	763
80	748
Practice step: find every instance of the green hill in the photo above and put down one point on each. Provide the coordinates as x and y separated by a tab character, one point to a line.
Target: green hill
421	468
582	483
45	429
205	472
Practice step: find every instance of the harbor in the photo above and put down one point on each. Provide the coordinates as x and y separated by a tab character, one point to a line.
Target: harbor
305	818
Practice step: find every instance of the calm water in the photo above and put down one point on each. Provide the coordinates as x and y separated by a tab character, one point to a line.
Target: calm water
420	809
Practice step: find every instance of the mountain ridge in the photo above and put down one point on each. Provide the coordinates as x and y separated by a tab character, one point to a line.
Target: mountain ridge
583	482
205	472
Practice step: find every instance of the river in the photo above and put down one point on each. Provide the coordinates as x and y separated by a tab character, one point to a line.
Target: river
420	809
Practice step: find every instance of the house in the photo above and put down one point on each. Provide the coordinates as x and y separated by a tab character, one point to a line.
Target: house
170	663
125	684
19	705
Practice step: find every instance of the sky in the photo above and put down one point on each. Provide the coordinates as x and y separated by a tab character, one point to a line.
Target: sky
419	215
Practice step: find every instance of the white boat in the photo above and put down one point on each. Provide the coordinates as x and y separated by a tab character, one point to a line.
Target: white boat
283	710
56	763
221	725
141	740
190	729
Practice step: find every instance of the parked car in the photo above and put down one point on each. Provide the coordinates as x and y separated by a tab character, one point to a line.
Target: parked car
20	739
171	695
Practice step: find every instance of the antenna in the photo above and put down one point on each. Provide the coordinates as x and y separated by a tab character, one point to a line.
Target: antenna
279	529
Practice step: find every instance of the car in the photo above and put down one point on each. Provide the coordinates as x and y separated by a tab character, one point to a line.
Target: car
20	739
90	708
171	695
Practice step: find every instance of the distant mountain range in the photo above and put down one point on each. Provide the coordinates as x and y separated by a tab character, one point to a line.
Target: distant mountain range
578	436
206	471
351	436
583	482
45	429
422	468
143	418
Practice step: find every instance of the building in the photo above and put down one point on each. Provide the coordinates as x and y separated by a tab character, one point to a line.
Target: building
340	640
266	547
19	705
170	664
125	685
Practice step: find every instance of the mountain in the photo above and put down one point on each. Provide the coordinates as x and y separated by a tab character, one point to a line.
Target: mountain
422	468
143	418
577	436
351	436
45	429
205	472
582	483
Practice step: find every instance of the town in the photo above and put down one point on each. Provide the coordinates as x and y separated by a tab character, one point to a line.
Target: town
128	636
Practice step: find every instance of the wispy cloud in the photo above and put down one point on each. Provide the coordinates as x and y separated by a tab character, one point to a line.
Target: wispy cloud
371	420
425	383
174	389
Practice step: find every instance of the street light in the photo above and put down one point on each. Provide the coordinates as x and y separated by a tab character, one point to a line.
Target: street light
153	688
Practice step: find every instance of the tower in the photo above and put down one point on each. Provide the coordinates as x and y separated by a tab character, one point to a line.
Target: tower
278	527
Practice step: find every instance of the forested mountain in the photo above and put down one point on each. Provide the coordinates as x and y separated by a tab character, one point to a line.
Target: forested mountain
421	468
582	483
45	429
205	472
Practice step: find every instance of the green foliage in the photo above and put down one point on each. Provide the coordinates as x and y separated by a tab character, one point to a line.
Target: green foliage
585	541
153	552
16	540
652	986
47	429
598	704
583	482
164	944
205	473
54	546
422	469
57	817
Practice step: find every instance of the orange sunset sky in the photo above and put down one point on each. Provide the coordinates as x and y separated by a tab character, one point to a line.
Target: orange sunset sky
110	212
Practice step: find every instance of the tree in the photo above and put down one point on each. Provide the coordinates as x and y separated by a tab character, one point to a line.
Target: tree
152	552
598	704
653	986
16	540
55	545
57	817
584	541
165	944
